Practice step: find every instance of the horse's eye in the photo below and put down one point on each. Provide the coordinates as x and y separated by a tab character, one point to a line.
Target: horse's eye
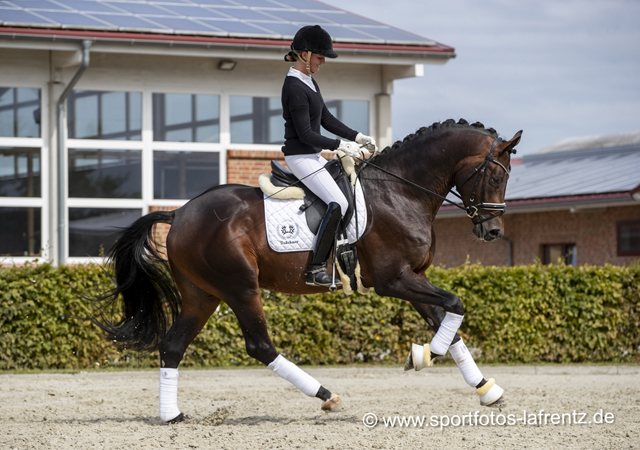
495	181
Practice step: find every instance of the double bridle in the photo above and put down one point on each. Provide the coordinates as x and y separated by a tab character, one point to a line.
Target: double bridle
472	210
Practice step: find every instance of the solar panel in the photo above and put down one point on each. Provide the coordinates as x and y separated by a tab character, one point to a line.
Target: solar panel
342	18
305	4
141	8
194	11
236	27
126	21
259	18
38	4
250	14
71	19
279	28
19	16
178	24
87	6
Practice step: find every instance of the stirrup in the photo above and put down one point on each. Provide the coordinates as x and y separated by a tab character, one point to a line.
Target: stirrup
317	276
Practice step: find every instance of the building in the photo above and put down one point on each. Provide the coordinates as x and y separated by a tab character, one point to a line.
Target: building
111	109
577	200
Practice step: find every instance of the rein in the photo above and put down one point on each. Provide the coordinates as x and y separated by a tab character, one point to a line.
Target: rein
472	210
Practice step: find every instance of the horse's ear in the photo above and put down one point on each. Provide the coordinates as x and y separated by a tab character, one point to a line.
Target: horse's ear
512	143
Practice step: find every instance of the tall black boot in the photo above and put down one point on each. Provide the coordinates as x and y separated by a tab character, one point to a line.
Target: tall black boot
317	272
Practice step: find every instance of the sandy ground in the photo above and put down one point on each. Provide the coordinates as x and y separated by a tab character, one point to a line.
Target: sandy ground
254	409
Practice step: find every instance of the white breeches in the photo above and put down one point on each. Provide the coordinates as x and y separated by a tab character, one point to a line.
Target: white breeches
309	169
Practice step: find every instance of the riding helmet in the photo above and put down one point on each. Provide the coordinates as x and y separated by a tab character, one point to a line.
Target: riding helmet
314	39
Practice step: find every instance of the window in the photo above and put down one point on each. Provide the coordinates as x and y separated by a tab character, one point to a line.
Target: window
353	113
105	115
92	231
256	120
183	175
186	118
105	173
20	231
629	238
20	172
552	253
20	112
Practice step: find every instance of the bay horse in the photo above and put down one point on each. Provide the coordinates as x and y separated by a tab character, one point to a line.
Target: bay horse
217	251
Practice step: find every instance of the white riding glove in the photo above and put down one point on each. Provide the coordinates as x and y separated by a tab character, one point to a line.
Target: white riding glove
371	142
350	149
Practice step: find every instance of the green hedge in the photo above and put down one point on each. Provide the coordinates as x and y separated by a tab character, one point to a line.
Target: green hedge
525	314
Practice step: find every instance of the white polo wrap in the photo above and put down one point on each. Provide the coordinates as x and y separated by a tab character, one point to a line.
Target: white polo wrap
295	375
466	364
169	394
447	331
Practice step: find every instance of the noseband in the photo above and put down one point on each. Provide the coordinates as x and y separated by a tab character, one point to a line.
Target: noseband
473	211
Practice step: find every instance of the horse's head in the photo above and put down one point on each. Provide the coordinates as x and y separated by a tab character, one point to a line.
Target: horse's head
482	183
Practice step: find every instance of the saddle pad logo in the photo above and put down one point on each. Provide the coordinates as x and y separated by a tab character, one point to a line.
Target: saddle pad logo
287	232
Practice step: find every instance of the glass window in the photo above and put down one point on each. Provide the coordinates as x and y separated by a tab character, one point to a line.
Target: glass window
20	229
629	238
105	173
92	231
568	253
105	115
186	118
19	172
353	113
184	175
20	112
256	120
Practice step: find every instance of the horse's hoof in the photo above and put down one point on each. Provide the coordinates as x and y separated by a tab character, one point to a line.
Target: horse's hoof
419	357
491	394
500	403
179	418
334	404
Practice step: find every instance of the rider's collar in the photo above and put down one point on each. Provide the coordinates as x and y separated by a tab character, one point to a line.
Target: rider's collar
306	79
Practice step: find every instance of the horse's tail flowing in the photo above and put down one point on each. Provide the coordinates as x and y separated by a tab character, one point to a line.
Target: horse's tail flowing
143	280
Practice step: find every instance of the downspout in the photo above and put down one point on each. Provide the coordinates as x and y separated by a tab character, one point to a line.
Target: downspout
62	206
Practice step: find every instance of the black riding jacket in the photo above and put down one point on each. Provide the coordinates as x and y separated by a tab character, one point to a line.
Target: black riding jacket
304	112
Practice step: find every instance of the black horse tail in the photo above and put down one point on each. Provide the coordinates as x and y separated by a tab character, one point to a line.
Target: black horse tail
150	298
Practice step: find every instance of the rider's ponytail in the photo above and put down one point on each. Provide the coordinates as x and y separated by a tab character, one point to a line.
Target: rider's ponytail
291	56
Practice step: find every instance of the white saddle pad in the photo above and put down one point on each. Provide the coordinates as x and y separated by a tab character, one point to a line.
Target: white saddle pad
287	229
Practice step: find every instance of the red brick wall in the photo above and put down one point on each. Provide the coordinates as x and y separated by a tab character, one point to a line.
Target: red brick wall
244	167
594	233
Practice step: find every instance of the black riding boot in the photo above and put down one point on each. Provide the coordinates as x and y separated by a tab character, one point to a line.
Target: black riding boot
317	272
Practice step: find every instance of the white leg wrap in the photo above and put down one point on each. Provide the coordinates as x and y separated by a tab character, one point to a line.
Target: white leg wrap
466	364
169	394
447	331
295	375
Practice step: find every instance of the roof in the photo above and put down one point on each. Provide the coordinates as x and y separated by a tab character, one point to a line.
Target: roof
586	142
564	176
267	20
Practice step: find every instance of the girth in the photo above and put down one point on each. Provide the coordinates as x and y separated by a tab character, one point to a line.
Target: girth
313	207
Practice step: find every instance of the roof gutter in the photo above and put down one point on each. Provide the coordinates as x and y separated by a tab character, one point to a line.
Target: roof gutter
62	206
438	51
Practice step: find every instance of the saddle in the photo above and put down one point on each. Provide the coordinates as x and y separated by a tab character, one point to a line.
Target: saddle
313	207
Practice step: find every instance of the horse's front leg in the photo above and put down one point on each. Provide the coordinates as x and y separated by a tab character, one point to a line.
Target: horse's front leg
429	300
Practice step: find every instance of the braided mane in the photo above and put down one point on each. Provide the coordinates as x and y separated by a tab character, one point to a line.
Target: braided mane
438	126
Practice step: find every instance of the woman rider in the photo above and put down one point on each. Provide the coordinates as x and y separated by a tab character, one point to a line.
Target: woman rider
304	112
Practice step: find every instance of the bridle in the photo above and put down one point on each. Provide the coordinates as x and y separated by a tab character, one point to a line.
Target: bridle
472	210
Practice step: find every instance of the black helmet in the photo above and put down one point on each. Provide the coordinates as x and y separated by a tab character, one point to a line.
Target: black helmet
314	39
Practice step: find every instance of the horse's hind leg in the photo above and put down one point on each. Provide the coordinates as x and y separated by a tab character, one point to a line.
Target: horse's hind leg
197	307
248	309
489	392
